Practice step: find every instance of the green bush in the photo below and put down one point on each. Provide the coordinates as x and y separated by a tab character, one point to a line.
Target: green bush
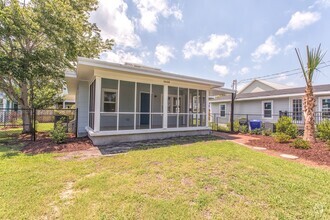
236	126
285	126
243	129
267	132
323	130
281	137
256	131
300	144
58	135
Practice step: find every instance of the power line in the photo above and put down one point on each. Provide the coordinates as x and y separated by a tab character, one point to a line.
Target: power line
283	73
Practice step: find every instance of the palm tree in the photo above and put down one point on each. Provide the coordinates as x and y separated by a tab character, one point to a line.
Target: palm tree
314	58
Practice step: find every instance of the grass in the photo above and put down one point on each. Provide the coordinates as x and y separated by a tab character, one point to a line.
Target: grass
42	127
202	180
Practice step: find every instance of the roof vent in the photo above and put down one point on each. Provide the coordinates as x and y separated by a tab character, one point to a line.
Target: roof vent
136	65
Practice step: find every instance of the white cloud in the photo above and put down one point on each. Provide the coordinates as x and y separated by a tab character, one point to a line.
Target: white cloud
257	67
282	77
291	84
289	48
164	53
321	3
221	69
151	10
120	56
217	46
244	70
111	18
299	20
266	50
237	59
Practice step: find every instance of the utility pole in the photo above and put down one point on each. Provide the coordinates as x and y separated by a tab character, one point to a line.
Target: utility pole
233	96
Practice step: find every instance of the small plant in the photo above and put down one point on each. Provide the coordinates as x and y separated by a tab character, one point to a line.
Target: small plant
267	132
323	130
256	131
285	126
236	126
222	128
58	135
281	137
300	144
243	129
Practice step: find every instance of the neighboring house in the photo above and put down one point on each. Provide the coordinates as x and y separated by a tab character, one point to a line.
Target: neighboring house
5	103
129	102
265	100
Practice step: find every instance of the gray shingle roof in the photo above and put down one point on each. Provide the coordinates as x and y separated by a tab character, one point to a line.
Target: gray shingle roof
291	91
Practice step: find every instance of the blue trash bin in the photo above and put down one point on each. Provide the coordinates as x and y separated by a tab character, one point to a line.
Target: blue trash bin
255	124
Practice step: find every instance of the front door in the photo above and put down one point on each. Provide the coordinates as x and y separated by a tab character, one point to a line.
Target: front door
145	109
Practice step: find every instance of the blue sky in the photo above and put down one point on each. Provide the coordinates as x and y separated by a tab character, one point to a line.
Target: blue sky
217	39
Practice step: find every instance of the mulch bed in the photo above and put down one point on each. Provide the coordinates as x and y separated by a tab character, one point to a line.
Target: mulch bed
46	145
319	152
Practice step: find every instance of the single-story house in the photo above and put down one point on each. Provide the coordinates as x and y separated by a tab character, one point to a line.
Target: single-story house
131	102
264	100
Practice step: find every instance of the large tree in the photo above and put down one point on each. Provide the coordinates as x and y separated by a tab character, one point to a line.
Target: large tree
39	41
314	58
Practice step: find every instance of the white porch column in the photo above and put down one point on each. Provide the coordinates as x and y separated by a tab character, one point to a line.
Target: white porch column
97	114
207	108
165	105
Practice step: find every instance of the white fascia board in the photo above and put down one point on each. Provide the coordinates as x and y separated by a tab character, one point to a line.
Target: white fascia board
145	71
271	97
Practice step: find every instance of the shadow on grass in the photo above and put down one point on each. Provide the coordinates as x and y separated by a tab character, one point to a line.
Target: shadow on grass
151	144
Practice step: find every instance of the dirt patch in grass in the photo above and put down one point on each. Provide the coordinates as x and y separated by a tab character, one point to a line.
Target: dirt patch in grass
46	145
318	153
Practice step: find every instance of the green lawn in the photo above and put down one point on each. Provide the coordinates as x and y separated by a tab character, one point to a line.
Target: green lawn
202	180
42	127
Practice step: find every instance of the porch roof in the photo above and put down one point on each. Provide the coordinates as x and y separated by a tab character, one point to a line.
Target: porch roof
86	66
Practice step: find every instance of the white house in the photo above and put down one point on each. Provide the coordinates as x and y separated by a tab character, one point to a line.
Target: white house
129	102
265	100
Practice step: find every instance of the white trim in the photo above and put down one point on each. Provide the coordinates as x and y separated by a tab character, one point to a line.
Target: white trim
117	107
207	107
270	97
224	104
150	106
165	106
135	103
320	102
143	131
97	108
145	71
263	110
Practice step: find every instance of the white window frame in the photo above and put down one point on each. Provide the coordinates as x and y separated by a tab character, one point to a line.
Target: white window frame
302	107
263	109
320	103
225	110
102	100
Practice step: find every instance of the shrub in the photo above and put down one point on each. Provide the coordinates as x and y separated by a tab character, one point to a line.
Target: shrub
267	132
323	130
285	126
58	135
300	144
243	129
236	126
256	131
281	137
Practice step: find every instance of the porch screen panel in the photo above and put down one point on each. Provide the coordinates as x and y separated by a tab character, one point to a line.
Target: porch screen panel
183	107
91	104
193	107
156	106
202	108
143	106
126	105
173	107
109	104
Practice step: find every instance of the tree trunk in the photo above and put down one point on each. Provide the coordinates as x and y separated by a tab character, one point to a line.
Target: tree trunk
26	111
309	106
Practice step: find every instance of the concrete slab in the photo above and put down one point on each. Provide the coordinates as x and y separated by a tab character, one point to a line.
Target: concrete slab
289	156
259	148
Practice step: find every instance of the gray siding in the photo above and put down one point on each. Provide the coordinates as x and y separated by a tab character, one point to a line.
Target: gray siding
82	97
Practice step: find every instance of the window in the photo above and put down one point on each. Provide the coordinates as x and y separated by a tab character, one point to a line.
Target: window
109	100
222	110
267	107
297	109
325	108
1	103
